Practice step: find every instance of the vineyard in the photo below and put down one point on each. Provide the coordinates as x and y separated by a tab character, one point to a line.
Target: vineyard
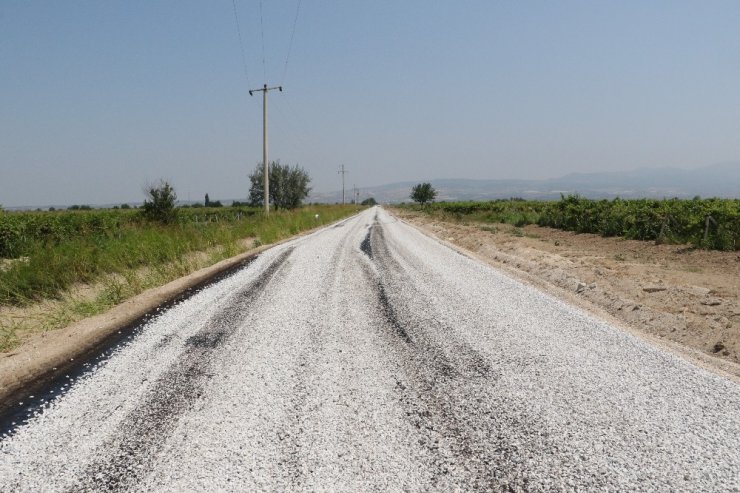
704	223
44	253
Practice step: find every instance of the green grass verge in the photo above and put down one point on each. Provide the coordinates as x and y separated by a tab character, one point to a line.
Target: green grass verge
122	244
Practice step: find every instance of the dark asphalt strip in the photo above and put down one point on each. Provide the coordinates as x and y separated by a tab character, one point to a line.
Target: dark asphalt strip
131	452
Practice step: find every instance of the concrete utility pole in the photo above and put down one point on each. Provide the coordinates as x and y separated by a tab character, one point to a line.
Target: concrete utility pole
264	92
342	172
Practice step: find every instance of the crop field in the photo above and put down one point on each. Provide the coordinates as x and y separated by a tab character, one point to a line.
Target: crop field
704	223
44	253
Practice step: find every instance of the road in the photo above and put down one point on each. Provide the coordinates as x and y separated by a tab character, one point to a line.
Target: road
369	357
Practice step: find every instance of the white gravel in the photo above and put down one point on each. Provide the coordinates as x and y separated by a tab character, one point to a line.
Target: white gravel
369	357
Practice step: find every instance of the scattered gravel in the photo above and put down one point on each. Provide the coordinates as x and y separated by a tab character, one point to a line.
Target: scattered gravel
371	357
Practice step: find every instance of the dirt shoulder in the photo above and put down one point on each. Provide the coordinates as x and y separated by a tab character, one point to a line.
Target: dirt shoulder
678	297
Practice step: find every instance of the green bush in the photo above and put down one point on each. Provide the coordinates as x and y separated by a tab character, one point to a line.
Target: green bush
160	205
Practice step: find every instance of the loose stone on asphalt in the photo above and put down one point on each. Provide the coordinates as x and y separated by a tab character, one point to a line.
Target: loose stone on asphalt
370	357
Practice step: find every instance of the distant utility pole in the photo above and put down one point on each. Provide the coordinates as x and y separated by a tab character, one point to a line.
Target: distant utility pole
264	91
342	172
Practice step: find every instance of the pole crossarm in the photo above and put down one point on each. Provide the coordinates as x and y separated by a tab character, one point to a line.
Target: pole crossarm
265	88
264	92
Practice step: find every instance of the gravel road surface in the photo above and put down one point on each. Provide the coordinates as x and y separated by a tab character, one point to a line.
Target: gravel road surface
369	357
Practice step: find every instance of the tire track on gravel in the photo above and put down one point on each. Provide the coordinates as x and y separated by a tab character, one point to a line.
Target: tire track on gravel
291	449
130	453
443	388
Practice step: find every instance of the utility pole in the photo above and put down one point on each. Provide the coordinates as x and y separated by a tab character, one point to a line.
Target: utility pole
264	92
342	172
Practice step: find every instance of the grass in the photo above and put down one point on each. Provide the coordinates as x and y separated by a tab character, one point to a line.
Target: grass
54	267
84	276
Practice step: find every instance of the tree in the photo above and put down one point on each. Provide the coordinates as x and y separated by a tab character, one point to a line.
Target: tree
288	186
423	193
161	203
369	201
207	202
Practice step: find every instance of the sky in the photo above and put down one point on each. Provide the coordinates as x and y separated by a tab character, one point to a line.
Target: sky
99	99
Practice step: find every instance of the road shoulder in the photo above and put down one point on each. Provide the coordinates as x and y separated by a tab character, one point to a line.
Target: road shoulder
44	356
687	306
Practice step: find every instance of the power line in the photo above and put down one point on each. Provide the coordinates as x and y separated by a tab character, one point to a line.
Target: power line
290	45
262	31
241	43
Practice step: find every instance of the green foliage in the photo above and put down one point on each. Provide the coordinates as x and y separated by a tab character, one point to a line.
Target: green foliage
288	186
160	205
52	251
675	220
208	203
671	220
423	193
369	201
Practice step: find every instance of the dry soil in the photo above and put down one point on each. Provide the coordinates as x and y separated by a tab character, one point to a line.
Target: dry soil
681	297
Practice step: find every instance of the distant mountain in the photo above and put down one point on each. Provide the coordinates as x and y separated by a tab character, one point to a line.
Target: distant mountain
719	180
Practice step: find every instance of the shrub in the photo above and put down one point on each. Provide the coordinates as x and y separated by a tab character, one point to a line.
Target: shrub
160	205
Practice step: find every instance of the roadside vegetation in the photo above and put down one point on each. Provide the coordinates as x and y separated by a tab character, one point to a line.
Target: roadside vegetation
704	223
51	263
288	186
423	193
44	253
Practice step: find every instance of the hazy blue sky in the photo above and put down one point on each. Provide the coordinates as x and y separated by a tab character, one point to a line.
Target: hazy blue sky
99	97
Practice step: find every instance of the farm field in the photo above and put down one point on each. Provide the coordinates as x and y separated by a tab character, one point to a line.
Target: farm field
673	294
705	223
58	267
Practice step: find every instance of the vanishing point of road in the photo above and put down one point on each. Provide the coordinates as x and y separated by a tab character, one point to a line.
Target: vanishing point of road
369	357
